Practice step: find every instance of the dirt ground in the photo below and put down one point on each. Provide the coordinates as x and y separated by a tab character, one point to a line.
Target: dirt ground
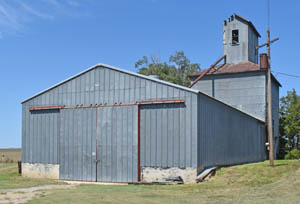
23	195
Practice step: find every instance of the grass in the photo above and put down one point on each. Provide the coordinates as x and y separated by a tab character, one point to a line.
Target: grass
255	174
10	179
249	183
12	154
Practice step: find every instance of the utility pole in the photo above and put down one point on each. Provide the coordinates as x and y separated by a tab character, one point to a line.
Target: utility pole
269	97
269	102
269	90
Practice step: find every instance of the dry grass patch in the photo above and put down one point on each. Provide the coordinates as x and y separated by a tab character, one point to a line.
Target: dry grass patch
9	178
10	155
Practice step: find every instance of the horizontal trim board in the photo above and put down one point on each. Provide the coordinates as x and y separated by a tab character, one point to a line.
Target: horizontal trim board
109	105
45	107
99	106
162	101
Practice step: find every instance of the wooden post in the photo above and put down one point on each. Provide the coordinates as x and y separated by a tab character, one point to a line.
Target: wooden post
269	102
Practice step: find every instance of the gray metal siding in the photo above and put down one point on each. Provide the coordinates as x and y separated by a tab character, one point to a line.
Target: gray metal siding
42	128
275	114
253	43
227	136
106	86
244	91
169	134
117	144
235	53
78	144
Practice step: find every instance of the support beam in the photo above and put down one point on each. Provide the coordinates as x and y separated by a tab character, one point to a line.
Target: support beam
262	45
207	70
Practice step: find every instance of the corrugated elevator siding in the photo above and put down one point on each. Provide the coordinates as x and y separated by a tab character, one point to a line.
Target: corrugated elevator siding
227	136
78	144
102	85
166	136
117	144
275	115
244	91
43	133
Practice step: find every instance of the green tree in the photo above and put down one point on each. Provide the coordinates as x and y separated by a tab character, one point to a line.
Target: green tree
289	126
177	70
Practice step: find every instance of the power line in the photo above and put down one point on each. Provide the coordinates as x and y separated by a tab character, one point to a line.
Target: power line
268	12
290	75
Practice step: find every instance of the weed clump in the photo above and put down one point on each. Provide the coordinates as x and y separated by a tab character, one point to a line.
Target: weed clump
294	154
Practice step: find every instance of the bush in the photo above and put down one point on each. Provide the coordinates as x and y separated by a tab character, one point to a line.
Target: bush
294	154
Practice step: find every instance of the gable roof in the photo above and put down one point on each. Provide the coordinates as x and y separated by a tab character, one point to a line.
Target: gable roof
141	76
245	20
116	69
234	68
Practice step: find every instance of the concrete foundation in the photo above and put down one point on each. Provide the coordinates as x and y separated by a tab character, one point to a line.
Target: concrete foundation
50	171
150	174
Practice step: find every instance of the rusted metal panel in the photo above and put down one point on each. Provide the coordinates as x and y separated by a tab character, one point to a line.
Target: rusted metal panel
230	68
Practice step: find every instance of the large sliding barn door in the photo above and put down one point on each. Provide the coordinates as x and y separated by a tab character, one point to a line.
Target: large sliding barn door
78	144
99	144
117	131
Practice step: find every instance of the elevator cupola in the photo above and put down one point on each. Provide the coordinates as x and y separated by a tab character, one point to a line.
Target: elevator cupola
240	39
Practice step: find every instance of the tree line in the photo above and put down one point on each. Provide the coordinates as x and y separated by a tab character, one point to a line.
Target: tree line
289	126
176	70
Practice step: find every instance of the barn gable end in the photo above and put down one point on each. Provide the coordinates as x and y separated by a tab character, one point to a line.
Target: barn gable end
105	86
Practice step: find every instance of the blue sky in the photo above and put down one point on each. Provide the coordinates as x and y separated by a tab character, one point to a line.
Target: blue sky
42	42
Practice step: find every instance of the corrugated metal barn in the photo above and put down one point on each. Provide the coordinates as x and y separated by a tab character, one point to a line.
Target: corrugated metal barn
111	125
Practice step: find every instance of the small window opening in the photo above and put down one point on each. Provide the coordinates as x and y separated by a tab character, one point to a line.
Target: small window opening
235	37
